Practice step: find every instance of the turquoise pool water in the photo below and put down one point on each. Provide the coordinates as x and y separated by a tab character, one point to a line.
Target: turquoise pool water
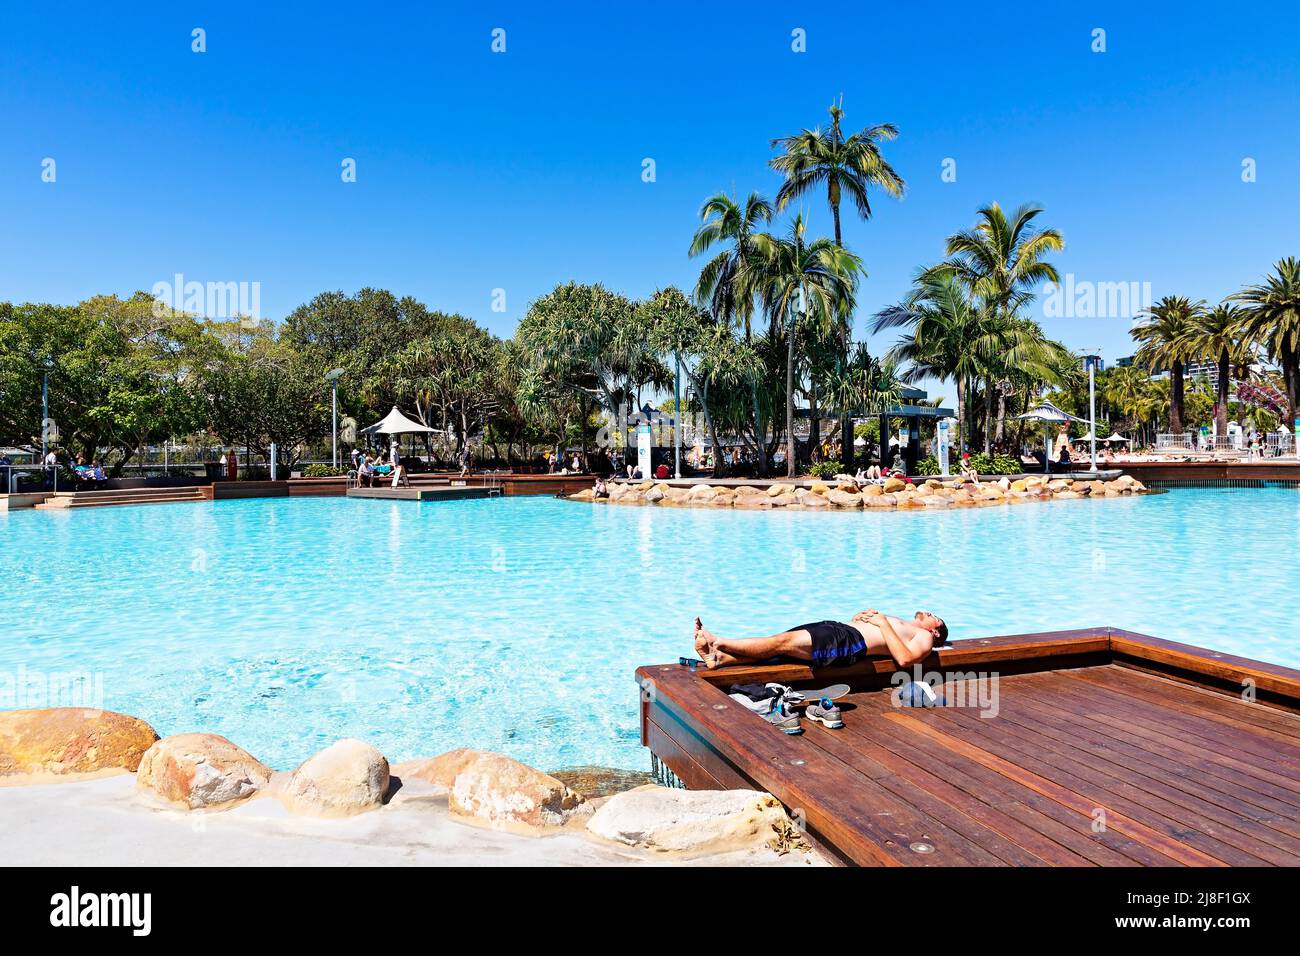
515	624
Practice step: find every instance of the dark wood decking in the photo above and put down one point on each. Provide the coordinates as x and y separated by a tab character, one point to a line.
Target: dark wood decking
1104	749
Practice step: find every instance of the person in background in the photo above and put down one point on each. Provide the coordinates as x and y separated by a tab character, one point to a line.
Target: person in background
599	489
661	471
232	465
466	459
577	464
365	472
356	458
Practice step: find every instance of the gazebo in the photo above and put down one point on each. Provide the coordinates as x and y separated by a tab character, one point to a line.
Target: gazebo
1049	414
396	424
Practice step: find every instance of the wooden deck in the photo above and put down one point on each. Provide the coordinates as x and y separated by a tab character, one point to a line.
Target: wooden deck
1091	748
426	493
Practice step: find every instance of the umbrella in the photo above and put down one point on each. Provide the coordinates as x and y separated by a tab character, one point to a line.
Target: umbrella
1116	436
1047	413
859	442
395	423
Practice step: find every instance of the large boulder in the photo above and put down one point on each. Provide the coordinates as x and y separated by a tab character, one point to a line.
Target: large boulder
654	494
691	821
586	494
780	489
345	778
893	484
201	771
702	493
871	491
878	501
844	499
814	501
753	501
71	740
493	789
782	501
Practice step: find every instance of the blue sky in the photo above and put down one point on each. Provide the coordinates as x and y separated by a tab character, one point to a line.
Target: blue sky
478	171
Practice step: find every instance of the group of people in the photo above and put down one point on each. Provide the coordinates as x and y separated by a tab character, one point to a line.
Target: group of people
372	471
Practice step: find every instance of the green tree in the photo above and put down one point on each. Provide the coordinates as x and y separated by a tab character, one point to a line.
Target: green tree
1164	333
1272	317
1218	333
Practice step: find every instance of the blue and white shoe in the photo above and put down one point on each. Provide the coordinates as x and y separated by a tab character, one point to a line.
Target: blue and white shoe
825	713
785	718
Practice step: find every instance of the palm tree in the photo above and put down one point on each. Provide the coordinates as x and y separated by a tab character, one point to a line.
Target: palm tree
945	329
1272	316
1164	333
1001	261
1218	334
844	165
728	282
804	284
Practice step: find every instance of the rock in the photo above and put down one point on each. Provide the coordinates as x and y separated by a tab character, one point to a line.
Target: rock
1019	484
925	490
677	494
754	501
878	501
702	493
1004	483
723	499
493	789
819	488
345	778
586	494
851	487
691	821
1137	485
592	782
663	486
645	486
843	499
654	494
814	501
201	771
617	490
1067	494
1059	484
789	498
747	490
872	491
893	484
936	501
933	483
71	740
780	489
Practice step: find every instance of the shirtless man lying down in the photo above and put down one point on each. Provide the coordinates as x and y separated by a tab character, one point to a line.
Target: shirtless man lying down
831	643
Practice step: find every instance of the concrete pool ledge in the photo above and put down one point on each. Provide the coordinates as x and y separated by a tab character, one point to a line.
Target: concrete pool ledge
82	785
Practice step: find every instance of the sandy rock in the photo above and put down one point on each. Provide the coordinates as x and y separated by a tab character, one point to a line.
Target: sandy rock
747	490
201	771
654	494
617	490
933	483
814	501
586	494
937	501
645	486
702	491
691	821
819	488
71	740
925	491
1067	494
893	484
779	489
345	778
849	486
725	498
872	491
1020	484
782	501
493	789
843	499
1004	483
754	501
878	501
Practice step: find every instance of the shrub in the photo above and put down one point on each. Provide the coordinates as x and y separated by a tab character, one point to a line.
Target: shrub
929	465
995	464
826	469
323	471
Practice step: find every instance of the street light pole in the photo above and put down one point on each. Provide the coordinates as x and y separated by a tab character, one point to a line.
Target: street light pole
1092	407
45	411
677	414
332	376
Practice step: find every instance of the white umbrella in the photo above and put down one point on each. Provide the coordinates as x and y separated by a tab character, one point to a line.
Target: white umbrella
1047	413
1116	436
859	442
395	423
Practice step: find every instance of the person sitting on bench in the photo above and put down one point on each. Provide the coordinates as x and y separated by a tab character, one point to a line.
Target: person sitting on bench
831	643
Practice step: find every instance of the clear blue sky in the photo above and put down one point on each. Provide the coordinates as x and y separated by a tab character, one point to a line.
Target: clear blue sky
479	171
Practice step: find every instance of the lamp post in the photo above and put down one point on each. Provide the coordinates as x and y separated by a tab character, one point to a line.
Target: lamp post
47	365
332	376
677	416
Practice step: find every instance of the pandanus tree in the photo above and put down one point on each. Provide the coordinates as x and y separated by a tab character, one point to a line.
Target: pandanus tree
1219	333
804	285
1164	332
813	160
728	283
1272	318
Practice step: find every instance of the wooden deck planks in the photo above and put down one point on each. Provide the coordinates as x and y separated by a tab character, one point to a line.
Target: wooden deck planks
1186	774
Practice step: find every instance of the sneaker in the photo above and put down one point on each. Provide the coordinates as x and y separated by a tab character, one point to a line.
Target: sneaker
825	713
785	718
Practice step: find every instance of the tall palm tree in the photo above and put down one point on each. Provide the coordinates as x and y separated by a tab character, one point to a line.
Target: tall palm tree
804	284
728	283
1164	332
945	325
1001	261
1272	317
851	165
1218	333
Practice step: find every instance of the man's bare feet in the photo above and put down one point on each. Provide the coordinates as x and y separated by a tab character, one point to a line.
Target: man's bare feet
702	638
